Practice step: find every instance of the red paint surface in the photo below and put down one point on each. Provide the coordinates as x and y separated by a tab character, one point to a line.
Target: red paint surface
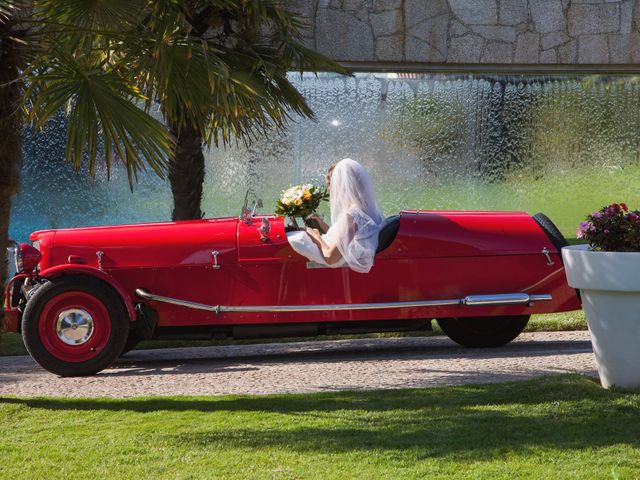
74	269
436	255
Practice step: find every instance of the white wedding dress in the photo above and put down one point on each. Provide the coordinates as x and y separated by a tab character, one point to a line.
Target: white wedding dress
356	220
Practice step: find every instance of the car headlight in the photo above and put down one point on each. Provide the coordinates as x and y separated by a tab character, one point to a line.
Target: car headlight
29	258
26	257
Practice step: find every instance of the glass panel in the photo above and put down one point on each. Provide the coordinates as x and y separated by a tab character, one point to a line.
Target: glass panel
563	145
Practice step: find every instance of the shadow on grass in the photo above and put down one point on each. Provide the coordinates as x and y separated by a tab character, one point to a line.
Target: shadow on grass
548	389
462	433
466	423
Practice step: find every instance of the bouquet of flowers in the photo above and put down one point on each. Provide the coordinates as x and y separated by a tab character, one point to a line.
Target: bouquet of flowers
300	200
613	228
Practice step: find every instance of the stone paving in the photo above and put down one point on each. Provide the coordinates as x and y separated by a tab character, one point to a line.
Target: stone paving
310	367
475	31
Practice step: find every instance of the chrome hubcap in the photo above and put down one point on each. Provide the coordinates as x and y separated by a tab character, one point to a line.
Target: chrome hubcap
74	326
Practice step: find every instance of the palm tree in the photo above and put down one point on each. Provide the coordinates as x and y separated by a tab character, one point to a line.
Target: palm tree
45	65
217	69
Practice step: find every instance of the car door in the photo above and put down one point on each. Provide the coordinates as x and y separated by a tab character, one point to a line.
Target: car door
271	273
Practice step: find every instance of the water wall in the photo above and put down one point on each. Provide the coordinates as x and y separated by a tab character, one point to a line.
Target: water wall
563	145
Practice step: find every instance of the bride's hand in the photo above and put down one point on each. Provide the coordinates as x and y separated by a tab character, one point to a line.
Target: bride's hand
319	221
314	233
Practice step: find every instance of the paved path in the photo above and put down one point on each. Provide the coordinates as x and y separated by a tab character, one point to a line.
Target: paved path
310	367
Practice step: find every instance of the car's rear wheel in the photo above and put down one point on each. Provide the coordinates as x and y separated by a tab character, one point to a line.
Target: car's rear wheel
75	325
483	331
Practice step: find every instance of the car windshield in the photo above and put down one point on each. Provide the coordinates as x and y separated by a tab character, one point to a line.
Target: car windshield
250	205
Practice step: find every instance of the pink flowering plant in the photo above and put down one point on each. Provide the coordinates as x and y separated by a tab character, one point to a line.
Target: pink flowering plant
614	228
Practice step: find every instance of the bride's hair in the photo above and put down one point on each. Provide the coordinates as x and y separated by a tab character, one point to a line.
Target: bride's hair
329	174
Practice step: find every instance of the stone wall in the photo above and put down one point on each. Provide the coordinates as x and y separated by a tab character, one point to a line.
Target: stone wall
475	31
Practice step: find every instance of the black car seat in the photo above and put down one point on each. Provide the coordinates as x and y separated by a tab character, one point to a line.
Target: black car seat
388	232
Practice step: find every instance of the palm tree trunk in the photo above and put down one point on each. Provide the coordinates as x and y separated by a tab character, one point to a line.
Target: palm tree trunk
10	143
10	156
186	173
5	210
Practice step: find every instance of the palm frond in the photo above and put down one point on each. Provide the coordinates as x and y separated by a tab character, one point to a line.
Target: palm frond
9	8
182	75
300	58
91	15
218	65
102	110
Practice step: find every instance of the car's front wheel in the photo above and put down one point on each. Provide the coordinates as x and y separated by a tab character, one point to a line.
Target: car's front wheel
483	331
75	325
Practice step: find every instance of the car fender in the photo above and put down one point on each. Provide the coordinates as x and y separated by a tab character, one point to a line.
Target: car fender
63	270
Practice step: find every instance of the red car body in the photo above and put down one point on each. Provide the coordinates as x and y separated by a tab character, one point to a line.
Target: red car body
232	277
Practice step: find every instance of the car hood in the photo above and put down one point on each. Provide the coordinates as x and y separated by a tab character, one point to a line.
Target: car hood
150	244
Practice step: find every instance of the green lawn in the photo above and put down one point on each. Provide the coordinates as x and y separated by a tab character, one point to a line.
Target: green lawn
11	343
554	427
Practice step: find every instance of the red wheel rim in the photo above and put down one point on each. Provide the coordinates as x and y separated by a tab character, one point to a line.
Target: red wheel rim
61	306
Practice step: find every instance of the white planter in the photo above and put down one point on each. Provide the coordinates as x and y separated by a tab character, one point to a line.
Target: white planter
609	284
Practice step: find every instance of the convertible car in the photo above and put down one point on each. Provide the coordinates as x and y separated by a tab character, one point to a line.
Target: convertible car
84	296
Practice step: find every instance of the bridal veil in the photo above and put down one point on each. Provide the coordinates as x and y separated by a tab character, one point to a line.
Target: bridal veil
356	218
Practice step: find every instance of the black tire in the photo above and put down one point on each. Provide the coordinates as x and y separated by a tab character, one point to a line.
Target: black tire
483	331
133	339
111	325
549	228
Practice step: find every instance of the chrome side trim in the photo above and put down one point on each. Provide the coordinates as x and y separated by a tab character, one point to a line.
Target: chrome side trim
504	299
471	300
142	293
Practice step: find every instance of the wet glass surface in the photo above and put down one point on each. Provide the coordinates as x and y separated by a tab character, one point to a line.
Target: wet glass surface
562	145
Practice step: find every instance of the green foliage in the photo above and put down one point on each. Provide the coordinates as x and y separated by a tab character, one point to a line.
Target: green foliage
497	127
595	129
429	126
558	427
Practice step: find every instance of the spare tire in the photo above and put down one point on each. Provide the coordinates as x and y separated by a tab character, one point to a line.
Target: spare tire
552	232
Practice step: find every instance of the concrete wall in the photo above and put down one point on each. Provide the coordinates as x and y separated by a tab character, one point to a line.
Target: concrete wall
475	31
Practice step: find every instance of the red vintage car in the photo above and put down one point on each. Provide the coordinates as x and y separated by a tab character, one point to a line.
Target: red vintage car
83	296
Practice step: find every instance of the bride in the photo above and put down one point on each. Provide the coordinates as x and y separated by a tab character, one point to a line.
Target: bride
356	220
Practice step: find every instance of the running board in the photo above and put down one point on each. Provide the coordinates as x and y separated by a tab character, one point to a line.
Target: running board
470	301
